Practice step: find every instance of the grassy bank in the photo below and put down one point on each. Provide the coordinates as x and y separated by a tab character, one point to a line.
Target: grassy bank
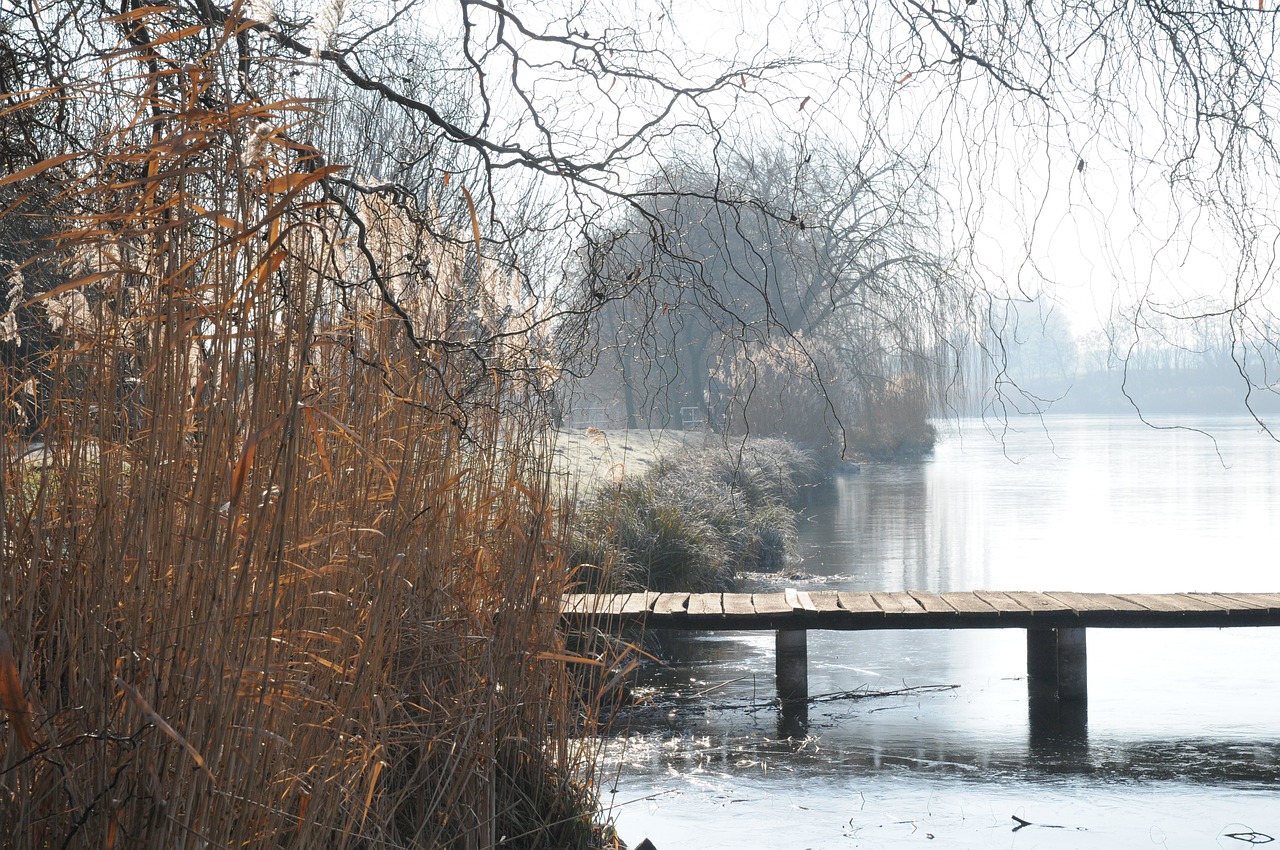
691	514
588	459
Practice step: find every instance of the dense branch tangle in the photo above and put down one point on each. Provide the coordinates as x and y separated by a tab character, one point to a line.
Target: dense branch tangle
789	293
499	113
205	123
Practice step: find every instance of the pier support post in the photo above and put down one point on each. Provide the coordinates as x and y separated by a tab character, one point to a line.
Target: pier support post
1057	690
792	665
1057	665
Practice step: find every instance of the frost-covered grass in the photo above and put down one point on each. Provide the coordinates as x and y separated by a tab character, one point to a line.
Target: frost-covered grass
688	516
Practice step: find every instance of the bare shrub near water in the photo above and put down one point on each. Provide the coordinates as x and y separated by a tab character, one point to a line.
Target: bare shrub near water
279	575
875	408
893	422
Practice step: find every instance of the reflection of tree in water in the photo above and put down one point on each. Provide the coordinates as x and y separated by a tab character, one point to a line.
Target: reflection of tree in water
872	529
904	526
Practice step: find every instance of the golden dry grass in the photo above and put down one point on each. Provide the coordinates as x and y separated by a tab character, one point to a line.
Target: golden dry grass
280	577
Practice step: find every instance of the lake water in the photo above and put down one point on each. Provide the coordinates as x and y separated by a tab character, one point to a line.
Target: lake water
925	739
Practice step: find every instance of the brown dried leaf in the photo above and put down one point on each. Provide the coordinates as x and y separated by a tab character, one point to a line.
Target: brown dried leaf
243	465
475	222
40	167
225	222
616	679
12	698
78	283
373	784
568	659
135	14
113	830
295	182
319	437
304	799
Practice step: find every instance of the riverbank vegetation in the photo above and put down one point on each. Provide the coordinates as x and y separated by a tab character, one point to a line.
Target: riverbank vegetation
798	328
281	561
694	520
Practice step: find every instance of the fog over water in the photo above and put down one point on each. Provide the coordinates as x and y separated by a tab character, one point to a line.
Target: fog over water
1182	747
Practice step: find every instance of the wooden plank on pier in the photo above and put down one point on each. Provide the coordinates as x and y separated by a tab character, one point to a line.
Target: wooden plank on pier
825	600
1080	602
1209	602
771	603
1002	602
1163	602
859	602
799	600
897	603
668	604
639	603
585	604
616	604
968	603
1270	600
1037	603
705	603
982	609
932	602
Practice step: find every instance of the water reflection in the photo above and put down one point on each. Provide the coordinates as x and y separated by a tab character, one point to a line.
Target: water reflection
1102	502
911	724
669	739
1058	734
793	720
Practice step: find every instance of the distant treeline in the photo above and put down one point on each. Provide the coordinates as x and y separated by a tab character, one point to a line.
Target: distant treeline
1210	390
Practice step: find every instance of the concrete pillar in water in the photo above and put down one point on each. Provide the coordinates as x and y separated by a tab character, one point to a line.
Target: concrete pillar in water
792	665
1057	665
1073	672
1057	691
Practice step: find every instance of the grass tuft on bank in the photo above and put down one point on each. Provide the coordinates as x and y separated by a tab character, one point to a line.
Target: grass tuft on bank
693	520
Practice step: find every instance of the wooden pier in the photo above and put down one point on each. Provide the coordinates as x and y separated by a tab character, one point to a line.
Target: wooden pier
1055	622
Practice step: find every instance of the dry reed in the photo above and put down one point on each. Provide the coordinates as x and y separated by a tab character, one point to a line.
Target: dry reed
277	576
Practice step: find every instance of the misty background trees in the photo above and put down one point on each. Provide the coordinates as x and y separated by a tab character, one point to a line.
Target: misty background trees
1128	151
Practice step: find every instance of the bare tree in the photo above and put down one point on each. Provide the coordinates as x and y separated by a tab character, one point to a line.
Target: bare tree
778	293
507	132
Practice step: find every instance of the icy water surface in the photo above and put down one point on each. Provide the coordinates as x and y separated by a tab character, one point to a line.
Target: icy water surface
924	739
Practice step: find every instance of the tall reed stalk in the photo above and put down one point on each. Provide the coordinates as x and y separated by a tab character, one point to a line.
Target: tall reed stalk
274	573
